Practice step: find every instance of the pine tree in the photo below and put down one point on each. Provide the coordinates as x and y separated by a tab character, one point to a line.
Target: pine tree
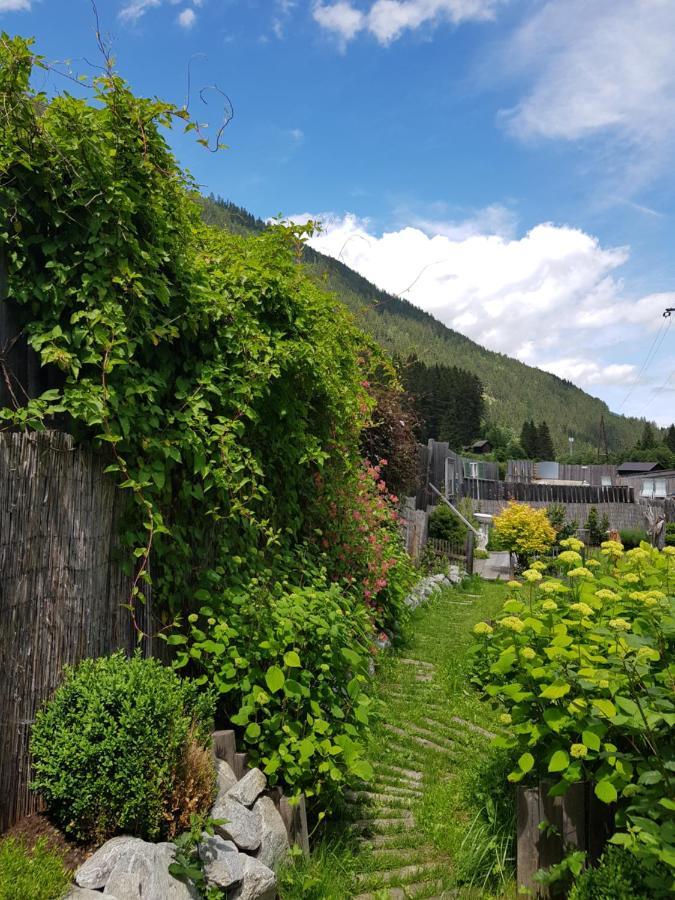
545	448
670	438
528	439
648	439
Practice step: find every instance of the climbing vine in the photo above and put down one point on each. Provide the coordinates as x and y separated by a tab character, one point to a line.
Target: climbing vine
220	379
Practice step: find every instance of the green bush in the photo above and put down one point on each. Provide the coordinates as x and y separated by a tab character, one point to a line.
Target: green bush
583	666
618	876
670	534
108	749
632	537
37	874
446	526
291	666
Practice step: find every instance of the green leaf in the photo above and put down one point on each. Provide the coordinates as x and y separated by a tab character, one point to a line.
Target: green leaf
555	718
556	690
559	761
605	708
526	762
292	660
352	658
293	688
274	678
362	769
253	731
591	740
605	791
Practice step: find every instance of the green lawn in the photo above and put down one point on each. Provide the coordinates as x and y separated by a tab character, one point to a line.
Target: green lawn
437	819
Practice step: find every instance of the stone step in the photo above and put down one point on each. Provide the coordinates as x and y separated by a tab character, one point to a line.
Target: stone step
409	891
394	826
412	774
473	727
396	788
418	663
374	797
419	740
387	840
401	874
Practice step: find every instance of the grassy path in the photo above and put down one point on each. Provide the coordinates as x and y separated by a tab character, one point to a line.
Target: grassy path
403	835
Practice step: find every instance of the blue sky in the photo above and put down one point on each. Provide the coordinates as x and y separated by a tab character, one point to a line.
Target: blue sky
509	159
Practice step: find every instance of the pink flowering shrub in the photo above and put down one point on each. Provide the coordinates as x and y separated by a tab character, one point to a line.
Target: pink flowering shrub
361	538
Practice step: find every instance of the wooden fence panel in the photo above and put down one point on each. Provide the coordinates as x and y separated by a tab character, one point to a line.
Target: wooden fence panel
61	586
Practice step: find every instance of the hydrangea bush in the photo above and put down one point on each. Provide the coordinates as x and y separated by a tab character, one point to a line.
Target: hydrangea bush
583	665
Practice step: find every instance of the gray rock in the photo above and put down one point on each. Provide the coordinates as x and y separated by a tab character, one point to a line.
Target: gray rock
125	885
249	788
225	777
162	885
258	882
130	869
223	863
94	873
243	826
78	893
274	844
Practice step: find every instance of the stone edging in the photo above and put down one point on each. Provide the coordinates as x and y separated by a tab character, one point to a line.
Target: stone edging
259	825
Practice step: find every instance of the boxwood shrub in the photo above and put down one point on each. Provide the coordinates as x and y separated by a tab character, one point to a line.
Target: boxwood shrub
109	748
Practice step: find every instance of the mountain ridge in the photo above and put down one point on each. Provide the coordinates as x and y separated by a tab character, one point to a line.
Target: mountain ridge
514	391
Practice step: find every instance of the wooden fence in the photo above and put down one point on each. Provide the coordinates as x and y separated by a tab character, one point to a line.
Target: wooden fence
61	586
478	489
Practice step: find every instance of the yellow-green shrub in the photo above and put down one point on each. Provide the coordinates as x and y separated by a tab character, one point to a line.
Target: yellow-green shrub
584	667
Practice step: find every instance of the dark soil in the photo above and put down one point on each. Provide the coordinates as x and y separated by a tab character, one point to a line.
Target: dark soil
37	825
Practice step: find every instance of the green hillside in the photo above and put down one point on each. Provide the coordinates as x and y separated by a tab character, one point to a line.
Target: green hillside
514	391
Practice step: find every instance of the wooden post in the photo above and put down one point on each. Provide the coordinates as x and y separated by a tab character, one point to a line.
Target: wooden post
295	820
240	764
579	822
225	746
470	541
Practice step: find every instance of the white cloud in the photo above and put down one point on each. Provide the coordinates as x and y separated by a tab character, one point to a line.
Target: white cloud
187	18
133	10
14	5
584	371
552	297
297	135
604	68
137	8
386	20
341	18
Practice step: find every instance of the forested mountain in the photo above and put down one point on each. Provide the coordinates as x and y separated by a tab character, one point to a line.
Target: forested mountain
514	392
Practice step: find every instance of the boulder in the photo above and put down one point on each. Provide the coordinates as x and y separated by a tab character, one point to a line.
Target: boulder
242	825
249	788
131	869
258	882
223	863
94	873
225	778
78	893
274	843
124	885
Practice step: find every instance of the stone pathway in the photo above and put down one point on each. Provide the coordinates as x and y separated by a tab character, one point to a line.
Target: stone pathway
420	740
496	568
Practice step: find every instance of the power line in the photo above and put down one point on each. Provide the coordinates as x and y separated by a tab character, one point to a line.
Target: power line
651	354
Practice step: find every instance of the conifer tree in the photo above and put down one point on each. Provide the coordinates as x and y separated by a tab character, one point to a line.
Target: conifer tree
648	439
545	448
528	439
670	438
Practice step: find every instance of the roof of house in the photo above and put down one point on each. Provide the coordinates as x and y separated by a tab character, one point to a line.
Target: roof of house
638	468
480	444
